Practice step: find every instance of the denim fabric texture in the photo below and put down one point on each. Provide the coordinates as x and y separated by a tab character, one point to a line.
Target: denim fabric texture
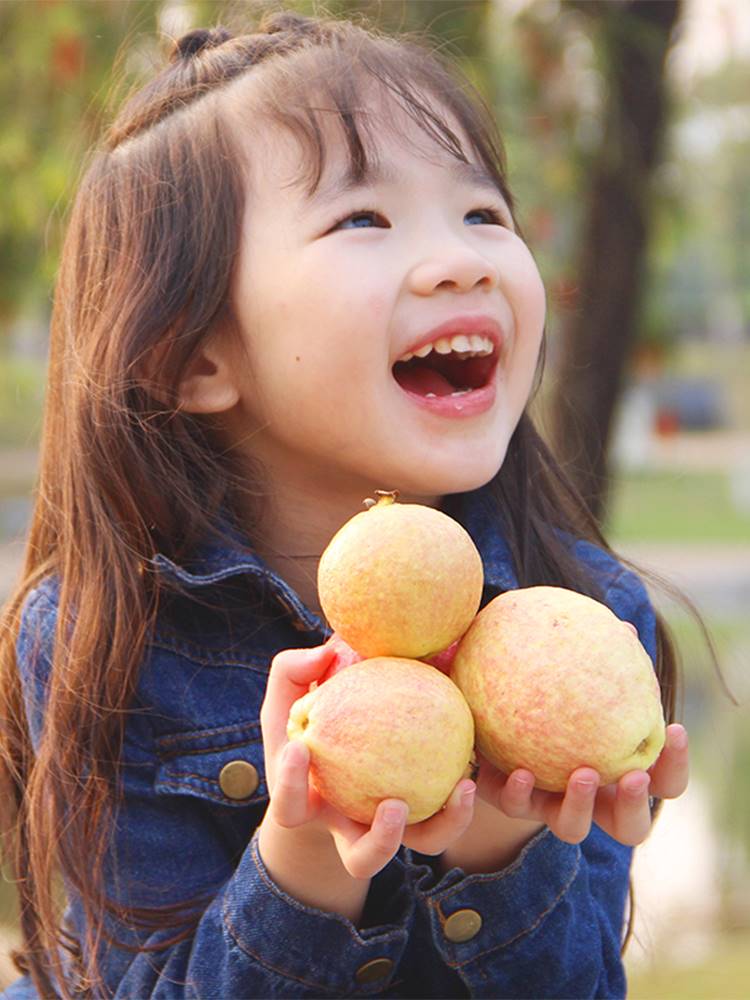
552	921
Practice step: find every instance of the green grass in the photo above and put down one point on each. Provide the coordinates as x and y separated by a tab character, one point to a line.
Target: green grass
712	688
676	507
724	975
21	393
727	631
13	486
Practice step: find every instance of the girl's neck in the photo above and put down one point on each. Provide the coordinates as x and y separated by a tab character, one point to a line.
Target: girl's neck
298	523
295	530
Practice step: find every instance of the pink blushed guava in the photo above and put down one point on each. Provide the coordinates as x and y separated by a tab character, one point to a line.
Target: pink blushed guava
400	579
556	681
385	728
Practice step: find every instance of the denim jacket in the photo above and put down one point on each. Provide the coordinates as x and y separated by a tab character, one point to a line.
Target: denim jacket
548	925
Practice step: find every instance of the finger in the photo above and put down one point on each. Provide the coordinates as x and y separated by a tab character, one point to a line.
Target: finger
344	657
290	801
292	671
364	856
631	814
515	796
670	773
571	821
433	835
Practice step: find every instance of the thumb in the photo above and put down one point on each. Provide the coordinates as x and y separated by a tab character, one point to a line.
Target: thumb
292	671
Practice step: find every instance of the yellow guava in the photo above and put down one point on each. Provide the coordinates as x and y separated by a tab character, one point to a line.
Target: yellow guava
400	579
385	728
556	681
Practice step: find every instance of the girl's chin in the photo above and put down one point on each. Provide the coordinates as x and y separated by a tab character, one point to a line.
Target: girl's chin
439	480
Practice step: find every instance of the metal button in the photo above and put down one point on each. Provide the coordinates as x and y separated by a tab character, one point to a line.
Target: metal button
378	968
238	779
462	925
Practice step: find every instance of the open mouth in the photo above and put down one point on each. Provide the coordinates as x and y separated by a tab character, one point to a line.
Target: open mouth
452	366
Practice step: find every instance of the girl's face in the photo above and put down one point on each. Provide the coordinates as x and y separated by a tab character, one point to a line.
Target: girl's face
391	328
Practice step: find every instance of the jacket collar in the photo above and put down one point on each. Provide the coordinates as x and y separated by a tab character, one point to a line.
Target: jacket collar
479	512
214	561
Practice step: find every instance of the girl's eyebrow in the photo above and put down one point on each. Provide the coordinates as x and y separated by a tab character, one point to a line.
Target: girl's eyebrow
461	171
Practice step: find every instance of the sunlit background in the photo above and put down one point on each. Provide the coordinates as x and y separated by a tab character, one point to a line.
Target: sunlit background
679	456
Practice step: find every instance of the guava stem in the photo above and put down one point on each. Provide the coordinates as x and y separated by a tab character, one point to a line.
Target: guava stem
385	498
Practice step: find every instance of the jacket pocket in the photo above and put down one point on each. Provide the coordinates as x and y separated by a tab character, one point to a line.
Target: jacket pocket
223	764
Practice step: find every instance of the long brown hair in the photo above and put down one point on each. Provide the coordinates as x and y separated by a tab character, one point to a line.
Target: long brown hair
147	261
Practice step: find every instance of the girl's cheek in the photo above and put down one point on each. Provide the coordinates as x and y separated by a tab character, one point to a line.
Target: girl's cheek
377	306
532	299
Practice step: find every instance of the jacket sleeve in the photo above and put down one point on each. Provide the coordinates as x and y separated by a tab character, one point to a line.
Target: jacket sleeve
548	925
551	923
254	940
247	938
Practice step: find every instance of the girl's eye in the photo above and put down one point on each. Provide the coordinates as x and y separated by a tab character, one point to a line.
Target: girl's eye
487	217
362	220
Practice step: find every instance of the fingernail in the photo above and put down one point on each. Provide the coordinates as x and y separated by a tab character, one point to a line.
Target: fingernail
586	785
637	786
467	795
294	753
295	759
523	782
394	815
678	737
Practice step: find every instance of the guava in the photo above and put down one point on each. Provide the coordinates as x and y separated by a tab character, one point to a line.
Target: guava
400	579
384	728
555	681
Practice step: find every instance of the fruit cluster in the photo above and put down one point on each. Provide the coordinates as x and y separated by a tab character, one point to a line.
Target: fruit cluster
542	677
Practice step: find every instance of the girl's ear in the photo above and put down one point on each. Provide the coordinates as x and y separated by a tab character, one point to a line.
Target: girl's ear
209	384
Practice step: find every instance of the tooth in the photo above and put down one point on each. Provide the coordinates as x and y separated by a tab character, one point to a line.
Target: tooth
460	392
443	346
480	344
423	351
460	343
430	395
406	357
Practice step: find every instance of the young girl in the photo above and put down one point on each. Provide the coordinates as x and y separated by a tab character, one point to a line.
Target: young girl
292	275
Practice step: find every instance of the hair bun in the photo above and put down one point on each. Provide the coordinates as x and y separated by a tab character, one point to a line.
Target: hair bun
193	42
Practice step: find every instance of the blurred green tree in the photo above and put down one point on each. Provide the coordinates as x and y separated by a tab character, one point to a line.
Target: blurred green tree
459	27
633	38
59	60
54	72
580	96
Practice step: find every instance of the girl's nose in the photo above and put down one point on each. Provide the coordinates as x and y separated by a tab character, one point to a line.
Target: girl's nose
458	269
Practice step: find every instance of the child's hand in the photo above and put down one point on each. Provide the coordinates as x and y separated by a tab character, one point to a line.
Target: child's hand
622	810
296	804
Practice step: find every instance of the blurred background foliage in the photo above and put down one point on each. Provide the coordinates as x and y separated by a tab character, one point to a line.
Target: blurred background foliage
546	68
539	64
678	451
